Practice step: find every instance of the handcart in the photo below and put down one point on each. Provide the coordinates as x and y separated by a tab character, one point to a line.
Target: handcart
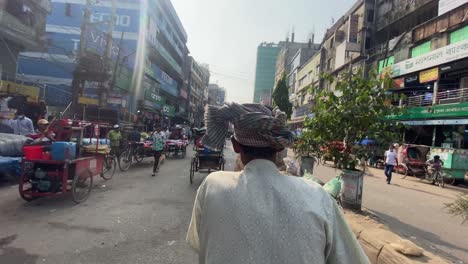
205	160
46	172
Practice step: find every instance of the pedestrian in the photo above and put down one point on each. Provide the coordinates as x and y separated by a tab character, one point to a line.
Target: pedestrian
159	141
22	125
259	215
391	161
115	136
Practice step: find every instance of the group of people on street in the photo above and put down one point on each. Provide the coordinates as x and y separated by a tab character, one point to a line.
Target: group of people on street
158	138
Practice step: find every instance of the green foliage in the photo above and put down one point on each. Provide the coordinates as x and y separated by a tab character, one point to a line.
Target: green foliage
459	208
356	109
281	97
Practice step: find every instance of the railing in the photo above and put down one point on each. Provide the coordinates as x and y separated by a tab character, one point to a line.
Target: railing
445	97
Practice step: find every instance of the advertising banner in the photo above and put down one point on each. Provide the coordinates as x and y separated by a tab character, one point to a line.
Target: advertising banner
436	57
429	75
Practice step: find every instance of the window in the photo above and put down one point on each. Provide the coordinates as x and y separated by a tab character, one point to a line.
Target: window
386	63
459	35
67	9
421	49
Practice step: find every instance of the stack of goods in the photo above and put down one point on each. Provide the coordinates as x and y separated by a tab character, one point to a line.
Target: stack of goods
89	146
10	154
59	151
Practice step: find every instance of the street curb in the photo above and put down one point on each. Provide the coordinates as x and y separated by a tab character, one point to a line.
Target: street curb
376	238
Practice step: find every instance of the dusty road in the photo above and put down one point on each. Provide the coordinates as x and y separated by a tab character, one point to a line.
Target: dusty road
133	218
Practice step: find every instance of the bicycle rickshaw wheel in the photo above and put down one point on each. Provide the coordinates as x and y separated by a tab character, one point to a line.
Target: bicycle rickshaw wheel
449	180
405	170
80	190
108	167
125	160
192	169
139	155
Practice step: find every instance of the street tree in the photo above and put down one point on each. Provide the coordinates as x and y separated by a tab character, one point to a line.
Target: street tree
355	109
281	97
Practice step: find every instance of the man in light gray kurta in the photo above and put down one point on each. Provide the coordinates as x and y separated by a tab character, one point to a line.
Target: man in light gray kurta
259	215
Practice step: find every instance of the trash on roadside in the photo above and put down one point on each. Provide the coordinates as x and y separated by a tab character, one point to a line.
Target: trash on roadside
170	243
407	247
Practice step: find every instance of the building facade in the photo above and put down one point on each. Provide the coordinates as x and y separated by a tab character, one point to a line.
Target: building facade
429	67
198	78
148	54
22	28
216	95
267	54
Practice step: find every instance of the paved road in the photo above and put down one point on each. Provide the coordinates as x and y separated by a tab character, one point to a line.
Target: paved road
133	218
414	209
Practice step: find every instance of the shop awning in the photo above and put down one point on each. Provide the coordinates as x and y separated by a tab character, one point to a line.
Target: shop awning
435	122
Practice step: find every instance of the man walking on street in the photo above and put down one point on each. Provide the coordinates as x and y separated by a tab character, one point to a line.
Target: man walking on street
259	215
391	161
22	125
159	141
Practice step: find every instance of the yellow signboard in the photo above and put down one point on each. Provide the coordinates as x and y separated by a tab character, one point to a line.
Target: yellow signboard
429	75
88	101
32	92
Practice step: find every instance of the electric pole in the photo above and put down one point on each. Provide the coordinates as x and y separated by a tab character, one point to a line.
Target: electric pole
106	86
78	83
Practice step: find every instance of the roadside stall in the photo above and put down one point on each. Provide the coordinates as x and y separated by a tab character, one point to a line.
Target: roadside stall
455	163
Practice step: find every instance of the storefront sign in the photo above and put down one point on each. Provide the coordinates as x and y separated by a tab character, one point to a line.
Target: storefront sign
168	110
437	57
88	101
151	95
437	111
17	88
429	75
447	5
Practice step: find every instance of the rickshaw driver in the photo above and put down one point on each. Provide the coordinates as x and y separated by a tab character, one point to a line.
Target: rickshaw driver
45	133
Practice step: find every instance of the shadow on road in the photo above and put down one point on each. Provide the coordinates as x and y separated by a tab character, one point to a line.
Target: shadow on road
419	190
427	239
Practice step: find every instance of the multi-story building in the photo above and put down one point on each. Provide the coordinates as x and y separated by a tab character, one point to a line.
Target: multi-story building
297	61
216	95
148	53
428	64
288	51
308	80
198	77
267	53
346	43
22	28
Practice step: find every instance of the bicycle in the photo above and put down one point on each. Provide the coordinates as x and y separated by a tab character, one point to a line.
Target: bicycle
133	152
109	165
435	175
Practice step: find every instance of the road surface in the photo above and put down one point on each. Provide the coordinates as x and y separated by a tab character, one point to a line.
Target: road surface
414	209
135	218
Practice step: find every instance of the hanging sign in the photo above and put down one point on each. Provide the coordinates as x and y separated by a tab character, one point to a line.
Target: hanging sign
429	75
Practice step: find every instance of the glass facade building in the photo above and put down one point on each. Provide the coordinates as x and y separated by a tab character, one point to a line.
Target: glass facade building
267	54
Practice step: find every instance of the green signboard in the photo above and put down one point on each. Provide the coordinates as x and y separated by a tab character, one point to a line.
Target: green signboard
168	110
152	95
436	111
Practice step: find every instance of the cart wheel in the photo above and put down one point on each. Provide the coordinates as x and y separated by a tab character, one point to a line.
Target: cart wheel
449	180
139	155
403	170
192	170
81	186
26	186
125	160
108	168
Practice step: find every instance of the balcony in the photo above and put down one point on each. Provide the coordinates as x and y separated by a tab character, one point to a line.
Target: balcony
446	97
18	32
303	110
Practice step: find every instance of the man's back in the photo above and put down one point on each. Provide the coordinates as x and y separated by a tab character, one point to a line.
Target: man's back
262	216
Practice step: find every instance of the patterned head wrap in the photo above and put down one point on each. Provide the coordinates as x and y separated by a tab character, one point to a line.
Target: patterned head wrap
254	125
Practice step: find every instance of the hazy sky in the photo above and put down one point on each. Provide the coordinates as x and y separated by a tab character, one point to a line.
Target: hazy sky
225	33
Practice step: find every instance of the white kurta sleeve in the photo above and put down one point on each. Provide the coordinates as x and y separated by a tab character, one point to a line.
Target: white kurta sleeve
342	245
193	237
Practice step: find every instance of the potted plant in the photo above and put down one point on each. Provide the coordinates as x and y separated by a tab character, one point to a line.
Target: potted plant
304	151
355	109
